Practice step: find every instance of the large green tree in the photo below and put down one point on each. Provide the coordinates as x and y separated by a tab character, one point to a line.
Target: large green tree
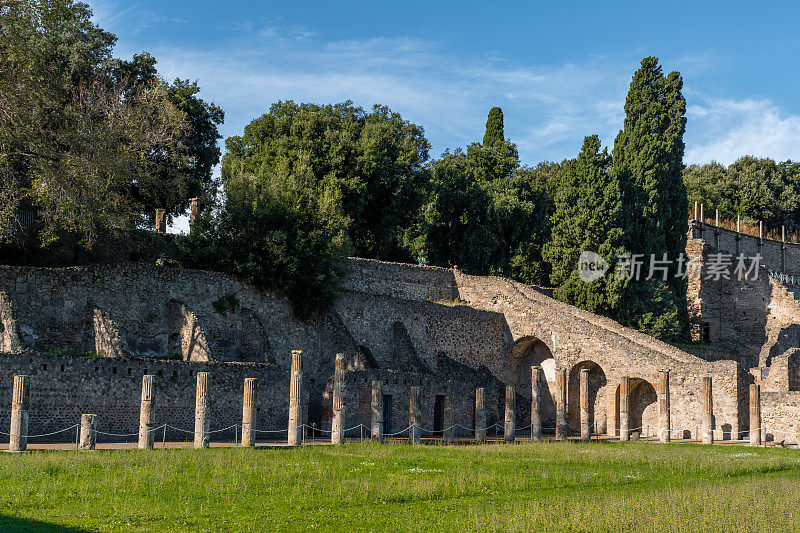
485	214
87	149
757	189
589	215
494	127
373	161
174	184
647	159
278	232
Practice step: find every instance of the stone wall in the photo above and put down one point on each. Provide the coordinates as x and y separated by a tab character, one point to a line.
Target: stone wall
63	387
776	255
409	325
757	318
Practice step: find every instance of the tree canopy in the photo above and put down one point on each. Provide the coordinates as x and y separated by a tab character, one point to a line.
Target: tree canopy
372	161
89	143
485	214
647	159
494	127
757	189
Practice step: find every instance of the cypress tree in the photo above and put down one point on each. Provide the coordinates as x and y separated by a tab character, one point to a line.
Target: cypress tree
647	159
494	127
588	215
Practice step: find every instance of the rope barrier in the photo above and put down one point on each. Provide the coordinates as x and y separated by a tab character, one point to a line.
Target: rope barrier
398	433
98	432
53	433
363	428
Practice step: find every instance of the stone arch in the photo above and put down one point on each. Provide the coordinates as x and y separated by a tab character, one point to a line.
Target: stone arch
643	407
597	395
187	337
367	358
254	342
793	364
527	352
404	354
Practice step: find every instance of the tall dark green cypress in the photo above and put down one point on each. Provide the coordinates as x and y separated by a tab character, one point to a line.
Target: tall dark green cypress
494	127
588	215
648	155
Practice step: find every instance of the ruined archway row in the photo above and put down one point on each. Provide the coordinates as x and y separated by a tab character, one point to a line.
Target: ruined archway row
626	395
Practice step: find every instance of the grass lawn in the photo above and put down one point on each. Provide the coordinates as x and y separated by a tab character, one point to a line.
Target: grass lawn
542	486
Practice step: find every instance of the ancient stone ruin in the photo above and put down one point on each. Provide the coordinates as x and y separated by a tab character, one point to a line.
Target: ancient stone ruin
406	348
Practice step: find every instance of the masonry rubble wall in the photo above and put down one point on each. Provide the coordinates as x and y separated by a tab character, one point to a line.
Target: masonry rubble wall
408	325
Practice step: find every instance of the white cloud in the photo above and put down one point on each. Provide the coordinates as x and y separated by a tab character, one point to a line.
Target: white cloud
548	108
723	130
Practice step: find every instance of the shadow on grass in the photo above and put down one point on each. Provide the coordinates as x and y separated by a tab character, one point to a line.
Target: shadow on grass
10	524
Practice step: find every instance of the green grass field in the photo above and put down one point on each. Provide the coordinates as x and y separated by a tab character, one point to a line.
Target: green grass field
544	486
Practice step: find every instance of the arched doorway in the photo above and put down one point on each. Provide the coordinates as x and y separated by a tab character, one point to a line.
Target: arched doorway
643	407
525	353
597	396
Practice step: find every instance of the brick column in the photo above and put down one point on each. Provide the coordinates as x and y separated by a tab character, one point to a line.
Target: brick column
20	403
414	416
708	412
561	404
202	422
248	411
161	221
376	428
755	415
146	412
448	431
536	403
510	427
339	412
624	408
663	406
88	432
586	432
480	415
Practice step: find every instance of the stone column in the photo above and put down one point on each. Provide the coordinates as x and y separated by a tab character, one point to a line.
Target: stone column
708	411
339	412
536	403
88	432
161	221
663	406
249	411
20	403
202	422
376	407
146	413
586	431
561	404
295	398
755	415
448	431
480	415
510	427
194	211
624	408
414	416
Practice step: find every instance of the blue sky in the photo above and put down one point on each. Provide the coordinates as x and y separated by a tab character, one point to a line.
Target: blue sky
559	70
